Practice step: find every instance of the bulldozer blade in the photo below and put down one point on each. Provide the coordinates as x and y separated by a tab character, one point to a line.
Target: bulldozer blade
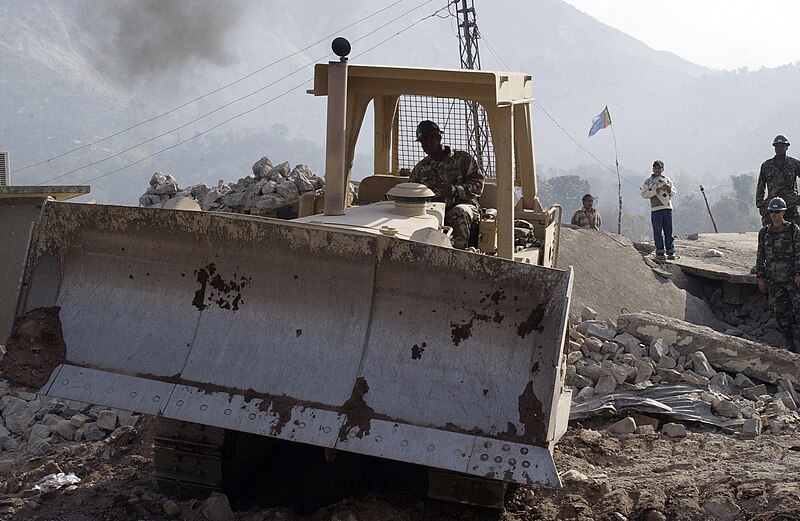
341	339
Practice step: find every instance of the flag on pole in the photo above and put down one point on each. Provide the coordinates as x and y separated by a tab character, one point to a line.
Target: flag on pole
600	121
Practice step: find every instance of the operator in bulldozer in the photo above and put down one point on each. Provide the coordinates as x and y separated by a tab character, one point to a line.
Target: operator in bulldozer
454	176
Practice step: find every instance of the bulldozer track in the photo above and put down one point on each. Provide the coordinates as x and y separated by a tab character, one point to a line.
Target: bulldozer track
188	458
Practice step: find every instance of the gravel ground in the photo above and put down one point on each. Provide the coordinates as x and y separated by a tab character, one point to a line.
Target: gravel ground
705	475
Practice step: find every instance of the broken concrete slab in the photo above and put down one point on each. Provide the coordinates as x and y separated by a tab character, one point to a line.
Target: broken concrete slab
731	354
607	267
733	266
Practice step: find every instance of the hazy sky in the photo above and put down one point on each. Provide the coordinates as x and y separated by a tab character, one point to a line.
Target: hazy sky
722	34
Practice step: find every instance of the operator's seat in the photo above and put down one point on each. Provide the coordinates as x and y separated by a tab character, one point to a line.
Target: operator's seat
373	188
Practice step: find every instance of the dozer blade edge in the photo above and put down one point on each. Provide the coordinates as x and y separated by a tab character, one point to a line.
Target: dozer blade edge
340	339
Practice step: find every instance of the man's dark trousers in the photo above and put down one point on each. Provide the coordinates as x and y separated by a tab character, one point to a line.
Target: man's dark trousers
662	223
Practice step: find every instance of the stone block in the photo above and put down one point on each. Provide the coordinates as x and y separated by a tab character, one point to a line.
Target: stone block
674	430
593	344
609	348
669	375
742	381
605	385
578	381
787	399
752	427
593	371
588	313
657	349
107	420
89	431
667	362
692	378
573	357
78	420
701	365
66	430
728	409
752	393
645	429
39	432
618	372
624	426
597	328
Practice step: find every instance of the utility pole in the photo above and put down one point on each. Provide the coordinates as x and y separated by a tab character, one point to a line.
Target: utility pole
477	138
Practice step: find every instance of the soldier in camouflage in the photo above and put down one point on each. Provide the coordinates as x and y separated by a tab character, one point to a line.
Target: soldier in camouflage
778	270
454	176
778	177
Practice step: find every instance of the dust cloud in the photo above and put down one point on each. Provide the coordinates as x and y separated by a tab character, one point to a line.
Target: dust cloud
153	38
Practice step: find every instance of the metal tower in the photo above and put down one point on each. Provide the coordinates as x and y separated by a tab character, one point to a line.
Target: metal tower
468	35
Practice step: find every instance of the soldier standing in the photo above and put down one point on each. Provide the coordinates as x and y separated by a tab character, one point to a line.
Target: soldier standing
454	176
778	270
778	177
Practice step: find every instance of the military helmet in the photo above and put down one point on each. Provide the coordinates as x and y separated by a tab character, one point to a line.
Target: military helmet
426	128
776	204
780	139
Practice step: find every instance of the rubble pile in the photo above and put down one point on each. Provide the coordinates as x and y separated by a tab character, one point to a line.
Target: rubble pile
602	360
264	191
34	425
749	316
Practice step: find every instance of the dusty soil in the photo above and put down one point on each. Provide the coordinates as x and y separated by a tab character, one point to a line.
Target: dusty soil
605	477
36	349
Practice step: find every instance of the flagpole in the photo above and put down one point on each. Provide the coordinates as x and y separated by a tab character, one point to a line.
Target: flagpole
619	180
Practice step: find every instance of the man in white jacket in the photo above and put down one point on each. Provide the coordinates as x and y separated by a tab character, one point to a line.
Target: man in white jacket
660	190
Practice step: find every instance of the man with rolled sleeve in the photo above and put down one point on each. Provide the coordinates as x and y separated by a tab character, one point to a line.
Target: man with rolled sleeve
454	176
778	178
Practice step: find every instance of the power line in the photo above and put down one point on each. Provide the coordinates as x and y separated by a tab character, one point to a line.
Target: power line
195	120
258	106
115	134
500	61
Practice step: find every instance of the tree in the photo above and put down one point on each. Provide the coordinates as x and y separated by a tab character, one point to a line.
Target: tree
566	190
735	211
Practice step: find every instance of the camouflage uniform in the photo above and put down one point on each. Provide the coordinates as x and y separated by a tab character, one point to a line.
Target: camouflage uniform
583	219
465	174
778	179
778	261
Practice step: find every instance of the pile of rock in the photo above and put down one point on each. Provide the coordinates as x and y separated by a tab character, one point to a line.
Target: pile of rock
748	314
35	425
267	189
602	360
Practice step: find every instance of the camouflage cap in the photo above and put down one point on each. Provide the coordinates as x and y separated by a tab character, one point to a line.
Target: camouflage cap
780	139
776	204
426	128
658	162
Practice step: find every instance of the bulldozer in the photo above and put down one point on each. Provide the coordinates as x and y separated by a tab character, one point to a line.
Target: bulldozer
357	330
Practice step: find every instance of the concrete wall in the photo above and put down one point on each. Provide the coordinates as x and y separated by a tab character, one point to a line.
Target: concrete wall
15	226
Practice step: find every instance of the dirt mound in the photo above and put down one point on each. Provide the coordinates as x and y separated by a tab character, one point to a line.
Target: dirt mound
612	278
36	349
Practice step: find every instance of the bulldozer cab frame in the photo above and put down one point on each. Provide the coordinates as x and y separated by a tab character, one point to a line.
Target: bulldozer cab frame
505	97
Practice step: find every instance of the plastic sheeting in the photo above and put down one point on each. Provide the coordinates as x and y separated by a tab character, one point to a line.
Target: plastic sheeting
678	401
